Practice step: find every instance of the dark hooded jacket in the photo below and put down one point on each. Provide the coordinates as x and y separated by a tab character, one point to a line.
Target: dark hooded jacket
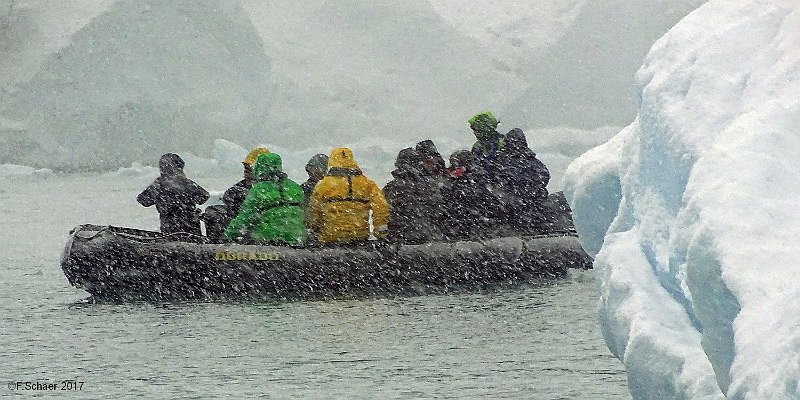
429	154
235	195
523	181
175	196
415	202
272	211
471	210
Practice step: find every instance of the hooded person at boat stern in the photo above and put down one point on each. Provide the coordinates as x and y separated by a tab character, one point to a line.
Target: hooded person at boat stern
523	181
341	203
175	196
272	211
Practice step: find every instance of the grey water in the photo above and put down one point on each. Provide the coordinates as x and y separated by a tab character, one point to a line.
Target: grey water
533	341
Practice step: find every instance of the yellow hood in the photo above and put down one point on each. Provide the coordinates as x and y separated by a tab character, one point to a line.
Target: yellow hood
252	156
342	157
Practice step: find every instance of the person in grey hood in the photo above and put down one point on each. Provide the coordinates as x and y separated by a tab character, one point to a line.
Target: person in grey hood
316	168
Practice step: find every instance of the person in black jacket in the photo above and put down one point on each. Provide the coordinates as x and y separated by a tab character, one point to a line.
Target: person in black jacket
432	162
523	182
175	196
415	202
471	210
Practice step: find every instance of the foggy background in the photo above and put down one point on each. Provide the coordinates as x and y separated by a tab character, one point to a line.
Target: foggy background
93	85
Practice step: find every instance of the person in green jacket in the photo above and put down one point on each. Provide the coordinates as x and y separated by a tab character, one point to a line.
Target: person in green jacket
272	211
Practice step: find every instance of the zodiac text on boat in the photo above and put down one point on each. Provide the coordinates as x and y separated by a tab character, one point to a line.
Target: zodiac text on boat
246	256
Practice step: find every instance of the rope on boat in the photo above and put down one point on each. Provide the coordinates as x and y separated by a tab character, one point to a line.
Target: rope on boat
192	238
161	237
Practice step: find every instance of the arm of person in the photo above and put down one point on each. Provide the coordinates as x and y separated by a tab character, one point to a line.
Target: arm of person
315	209
542	173
242	221
232	196
380	211
148	196
199	195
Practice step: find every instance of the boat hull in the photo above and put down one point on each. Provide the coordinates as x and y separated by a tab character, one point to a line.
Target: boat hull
127	264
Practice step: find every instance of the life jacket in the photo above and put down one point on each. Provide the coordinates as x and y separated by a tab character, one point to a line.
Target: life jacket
340	205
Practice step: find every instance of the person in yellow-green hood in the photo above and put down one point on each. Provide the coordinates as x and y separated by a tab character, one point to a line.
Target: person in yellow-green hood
487	152
218	216
272	211
341	202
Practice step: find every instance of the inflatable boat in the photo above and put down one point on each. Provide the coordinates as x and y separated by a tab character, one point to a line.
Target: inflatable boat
123	264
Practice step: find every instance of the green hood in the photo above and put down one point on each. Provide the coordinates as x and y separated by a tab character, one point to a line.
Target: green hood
267	165
484	124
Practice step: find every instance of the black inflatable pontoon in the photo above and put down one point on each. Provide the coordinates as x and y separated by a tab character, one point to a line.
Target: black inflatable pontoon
129	264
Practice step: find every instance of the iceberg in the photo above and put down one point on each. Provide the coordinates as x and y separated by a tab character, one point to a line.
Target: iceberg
142	78
691	211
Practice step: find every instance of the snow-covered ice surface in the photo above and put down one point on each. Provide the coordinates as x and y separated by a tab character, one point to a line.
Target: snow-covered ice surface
692	210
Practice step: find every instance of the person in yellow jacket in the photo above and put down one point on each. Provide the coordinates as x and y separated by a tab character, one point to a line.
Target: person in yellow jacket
341	202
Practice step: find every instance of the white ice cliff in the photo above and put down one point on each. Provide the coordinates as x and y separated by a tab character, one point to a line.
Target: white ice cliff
693	211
